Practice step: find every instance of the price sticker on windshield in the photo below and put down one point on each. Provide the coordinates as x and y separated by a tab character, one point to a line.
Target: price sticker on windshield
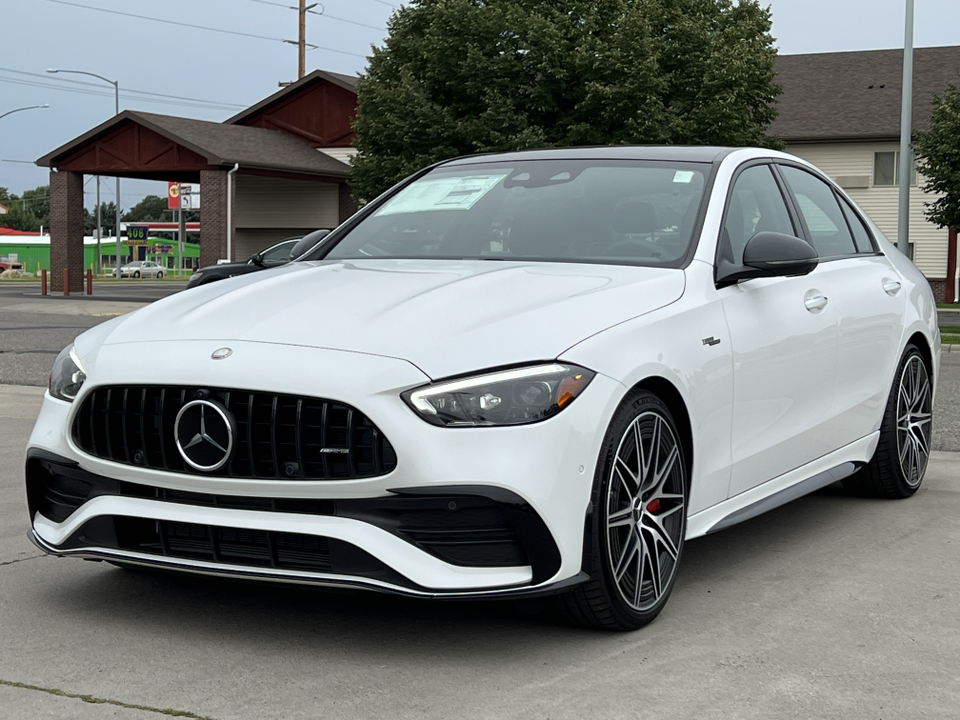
441	193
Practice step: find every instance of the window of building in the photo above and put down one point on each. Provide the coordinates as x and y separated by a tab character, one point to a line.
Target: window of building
886	169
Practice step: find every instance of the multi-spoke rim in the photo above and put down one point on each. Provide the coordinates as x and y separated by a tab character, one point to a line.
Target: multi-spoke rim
645	510
913	420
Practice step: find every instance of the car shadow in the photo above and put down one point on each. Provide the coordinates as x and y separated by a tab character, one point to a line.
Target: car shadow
255	615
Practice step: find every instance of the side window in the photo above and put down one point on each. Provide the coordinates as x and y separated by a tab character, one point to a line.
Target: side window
861	235
278	255
756	205
821	211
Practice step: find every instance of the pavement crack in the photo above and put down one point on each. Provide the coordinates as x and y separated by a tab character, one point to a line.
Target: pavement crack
11	562
169	712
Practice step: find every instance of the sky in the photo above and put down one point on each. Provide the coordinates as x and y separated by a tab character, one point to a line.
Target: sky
238	57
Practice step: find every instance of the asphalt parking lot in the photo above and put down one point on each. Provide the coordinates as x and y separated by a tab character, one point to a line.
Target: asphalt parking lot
829	607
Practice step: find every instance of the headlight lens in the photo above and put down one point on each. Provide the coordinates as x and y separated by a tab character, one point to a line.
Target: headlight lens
509	397
67	375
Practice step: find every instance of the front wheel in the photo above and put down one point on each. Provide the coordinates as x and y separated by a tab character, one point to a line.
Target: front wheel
900	461
136	274
639	519
159	275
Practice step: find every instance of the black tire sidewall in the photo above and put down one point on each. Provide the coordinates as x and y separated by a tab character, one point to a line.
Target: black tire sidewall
632	406
888	428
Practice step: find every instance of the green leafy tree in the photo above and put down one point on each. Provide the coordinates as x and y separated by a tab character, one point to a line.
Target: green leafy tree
151	208
108	213
37	201
938	159
465	76
19	217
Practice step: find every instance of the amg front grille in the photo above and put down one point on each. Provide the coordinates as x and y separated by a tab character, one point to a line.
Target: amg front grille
281	437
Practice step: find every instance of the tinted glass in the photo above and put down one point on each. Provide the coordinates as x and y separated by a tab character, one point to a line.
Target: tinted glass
623	212
821	211
278	254
860	233
756	205
884	168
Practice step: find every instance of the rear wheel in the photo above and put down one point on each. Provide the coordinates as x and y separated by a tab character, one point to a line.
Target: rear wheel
159	274
897	467
136	273
639	519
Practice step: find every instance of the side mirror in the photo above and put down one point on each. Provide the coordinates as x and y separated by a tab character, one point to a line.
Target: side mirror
769	254
308	242
257	260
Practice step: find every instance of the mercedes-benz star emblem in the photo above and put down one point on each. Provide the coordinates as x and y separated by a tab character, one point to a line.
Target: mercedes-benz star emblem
221	353
204	434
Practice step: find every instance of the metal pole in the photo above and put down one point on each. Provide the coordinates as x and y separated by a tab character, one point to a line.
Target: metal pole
906	130
99	225
32	107
181	235
116	91
302	42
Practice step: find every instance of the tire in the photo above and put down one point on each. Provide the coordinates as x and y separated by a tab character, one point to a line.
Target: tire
636	540
159	275
900	461
136	274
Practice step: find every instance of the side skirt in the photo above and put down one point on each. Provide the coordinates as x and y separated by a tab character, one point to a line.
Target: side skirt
781	490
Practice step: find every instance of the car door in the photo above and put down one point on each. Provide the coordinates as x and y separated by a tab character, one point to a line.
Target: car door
783	333
867	295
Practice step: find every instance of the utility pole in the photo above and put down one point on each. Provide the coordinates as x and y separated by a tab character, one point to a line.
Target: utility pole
100	225
906	130
302	42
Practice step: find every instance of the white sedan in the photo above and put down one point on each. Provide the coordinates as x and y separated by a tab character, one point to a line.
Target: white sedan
140	268
529	373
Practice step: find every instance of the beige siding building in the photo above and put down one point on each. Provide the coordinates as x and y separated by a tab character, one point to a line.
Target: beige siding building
841	112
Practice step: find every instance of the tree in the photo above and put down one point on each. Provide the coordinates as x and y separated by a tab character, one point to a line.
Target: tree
938	159
37	201
108	212
465	76
19	217
151	208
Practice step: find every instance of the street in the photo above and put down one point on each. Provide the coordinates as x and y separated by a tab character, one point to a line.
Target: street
831	606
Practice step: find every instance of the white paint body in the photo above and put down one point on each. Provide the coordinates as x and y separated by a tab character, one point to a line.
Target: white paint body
785	395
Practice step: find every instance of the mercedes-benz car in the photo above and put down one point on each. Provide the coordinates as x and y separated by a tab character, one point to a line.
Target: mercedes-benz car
535	373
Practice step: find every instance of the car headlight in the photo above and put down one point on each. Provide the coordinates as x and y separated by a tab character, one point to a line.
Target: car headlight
508	397
67	375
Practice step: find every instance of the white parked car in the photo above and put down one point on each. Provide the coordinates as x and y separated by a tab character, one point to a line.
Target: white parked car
140	268
529	373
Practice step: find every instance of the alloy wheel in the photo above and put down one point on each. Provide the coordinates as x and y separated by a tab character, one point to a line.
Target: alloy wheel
914	414
646	500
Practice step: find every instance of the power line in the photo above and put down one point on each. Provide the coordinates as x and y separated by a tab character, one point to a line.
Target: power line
101	93
128	92
322	13
189	25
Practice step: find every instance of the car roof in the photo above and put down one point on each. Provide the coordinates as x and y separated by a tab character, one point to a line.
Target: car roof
677	153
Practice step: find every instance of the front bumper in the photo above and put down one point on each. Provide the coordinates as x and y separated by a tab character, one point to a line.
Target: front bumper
516	498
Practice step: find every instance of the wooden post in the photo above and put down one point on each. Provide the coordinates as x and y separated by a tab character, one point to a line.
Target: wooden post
43	281
89	281
66	282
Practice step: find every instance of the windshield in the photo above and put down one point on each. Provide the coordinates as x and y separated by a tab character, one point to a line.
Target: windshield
629	212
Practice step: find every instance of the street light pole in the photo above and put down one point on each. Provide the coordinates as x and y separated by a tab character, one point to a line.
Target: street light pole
906	130
29	107
116	104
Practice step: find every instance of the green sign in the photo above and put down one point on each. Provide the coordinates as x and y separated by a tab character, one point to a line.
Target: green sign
137	233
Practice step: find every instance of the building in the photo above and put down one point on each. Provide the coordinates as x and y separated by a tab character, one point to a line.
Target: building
4	209
841	112
273	171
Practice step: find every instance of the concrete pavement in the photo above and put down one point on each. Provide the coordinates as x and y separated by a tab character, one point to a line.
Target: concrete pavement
830	607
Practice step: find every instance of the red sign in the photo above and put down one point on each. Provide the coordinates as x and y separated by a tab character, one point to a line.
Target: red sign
173	196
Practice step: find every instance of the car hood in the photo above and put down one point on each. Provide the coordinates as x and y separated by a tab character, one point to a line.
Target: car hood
445	317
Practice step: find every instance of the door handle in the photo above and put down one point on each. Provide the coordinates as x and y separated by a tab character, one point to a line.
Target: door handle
891	287
815	303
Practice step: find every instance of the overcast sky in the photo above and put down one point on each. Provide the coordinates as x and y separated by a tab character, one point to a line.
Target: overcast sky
236	70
